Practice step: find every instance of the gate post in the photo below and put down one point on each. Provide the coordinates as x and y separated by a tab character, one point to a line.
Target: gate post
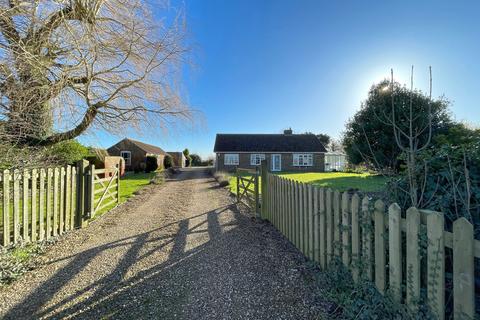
91	191
238	185
257	195
80	219
118	181
263	185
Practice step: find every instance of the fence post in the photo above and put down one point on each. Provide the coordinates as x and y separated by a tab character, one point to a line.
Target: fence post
25	203
305	219
367	230
463	270
345	229
6	207
16	206
337	244
436	264
316	227
48	209
329	225
257	195
41	210
55	201
395	251
91	191
68	189
238	185
380	271
322	226
80	220
118	181
413	258
34	205
311	248
73	194
62	200
355	237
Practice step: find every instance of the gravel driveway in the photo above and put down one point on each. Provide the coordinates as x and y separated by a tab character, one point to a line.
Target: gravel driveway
177	251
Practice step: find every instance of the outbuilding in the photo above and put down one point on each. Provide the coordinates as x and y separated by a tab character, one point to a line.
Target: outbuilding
135	153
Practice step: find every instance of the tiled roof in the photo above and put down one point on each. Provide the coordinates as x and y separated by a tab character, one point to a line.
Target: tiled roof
268	143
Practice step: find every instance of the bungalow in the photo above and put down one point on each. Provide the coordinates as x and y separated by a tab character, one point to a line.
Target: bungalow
135	152
283	152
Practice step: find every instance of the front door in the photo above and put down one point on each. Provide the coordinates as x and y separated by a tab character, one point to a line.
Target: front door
276	162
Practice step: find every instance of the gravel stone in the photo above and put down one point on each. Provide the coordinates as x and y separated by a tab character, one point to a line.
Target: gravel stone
181	250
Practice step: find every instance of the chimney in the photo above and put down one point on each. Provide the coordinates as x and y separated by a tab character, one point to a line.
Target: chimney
288	131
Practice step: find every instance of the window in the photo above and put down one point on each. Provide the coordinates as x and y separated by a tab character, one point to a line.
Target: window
231	159
303	159
256	159
127	156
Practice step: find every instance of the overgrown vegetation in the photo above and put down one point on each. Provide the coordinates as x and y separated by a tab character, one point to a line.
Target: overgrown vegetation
167	161
62	153
362	300
450	175
17	260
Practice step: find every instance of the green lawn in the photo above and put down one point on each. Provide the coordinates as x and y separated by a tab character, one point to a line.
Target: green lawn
233	183
130	183
340	181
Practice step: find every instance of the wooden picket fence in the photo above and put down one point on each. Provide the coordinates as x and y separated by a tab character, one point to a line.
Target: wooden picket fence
382	246
38	204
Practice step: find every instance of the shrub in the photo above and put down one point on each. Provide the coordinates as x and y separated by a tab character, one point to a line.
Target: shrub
222	178
451	175
151	164
362	300
196	160
188	159
66	152
19	259
168	161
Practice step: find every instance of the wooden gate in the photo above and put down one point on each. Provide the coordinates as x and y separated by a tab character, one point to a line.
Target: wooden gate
105	188
248	191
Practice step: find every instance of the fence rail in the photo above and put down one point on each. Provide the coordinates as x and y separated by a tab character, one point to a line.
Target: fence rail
37	204
248	189
383	245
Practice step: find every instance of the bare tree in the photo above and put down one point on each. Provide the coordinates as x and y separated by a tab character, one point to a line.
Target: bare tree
410	141
66	65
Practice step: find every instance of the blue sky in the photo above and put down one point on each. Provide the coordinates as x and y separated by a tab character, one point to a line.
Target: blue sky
262	66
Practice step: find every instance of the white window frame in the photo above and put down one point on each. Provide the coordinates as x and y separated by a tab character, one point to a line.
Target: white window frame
303	159
231	159
256	159
129	162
